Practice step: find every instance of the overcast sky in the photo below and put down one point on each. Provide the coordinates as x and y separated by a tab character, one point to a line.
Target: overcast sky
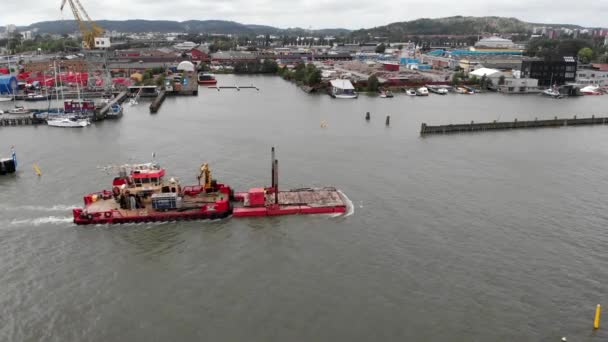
351	14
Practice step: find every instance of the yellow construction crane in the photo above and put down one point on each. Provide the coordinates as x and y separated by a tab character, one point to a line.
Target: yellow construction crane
89	32
206	176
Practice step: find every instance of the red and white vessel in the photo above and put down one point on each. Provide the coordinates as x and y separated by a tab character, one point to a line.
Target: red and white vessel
206	79
142	193
592	90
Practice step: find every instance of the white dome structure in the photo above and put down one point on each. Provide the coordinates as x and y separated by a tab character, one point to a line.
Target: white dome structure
185	66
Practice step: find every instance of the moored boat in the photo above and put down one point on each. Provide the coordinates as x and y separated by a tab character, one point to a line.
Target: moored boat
5	98
115	111
422	91
68	122
552	92
386	94
437	89
410	92
206	78
19	110
9	165
591	90
342	89
35	97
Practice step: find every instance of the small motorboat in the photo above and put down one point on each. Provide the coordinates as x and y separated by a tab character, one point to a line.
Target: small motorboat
206	79
552	92
5	98
69	121
437	90
35	97
19	110
591	90
386	94
422	91
410	92
462	90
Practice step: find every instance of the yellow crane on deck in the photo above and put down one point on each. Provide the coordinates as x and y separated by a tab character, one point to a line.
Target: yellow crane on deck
205	175
89	30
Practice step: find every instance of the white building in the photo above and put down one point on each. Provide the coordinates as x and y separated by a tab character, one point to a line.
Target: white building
519	86
491	74
10	28
592	77
495	43
27	35
185	46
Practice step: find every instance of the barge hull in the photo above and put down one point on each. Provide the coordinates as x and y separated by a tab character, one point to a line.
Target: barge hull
292	202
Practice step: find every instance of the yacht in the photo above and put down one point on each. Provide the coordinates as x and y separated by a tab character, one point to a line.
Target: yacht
18	110
5	98
69	121
386	94
410	92
552	92
422	91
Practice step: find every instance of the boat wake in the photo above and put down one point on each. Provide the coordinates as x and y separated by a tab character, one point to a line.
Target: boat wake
53	208
42	220
350	207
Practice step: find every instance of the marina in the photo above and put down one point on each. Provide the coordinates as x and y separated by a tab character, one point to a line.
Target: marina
420	205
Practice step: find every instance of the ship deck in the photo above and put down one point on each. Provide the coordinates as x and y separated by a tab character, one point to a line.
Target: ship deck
297	201
190	202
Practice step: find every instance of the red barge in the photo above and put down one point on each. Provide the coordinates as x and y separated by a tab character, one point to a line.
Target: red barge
141	193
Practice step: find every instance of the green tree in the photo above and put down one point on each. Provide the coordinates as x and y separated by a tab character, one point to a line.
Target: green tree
373	83
300	73
501	80
160	80
269	66
457	77
380	48
585	55
313	75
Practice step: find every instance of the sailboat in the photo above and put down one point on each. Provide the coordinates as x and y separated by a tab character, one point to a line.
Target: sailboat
552	91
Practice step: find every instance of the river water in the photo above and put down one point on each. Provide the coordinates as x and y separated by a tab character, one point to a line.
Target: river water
496	236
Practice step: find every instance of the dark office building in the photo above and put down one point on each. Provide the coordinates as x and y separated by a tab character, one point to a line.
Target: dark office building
557	70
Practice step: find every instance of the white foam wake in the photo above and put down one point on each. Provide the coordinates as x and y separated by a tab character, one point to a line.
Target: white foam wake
42	220
350	208
52	208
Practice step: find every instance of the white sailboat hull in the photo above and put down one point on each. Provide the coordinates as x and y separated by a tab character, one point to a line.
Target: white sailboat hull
68	123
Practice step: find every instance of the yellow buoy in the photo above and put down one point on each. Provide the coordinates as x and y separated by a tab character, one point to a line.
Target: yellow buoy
596	321
37	169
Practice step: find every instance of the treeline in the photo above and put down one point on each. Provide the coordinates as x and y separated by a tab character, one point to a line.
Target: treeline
587	50
16	44
268	66
306	74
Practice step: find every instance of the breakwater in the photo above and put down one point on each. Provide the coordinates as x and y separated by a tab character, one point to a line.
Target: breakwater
515	124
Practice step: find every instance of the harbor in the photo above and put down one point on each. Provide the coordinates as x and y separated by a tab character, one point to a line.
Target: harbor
420	230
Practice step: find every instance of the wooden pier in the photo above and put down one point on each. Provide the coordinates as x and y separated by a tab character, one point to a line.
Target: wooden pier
218	88
158	101
120	98
515	124
24	121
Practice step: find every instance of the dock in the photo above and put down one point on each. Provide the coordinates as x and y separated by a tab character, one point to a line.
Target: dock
120	98
158	101
23	121
218	88
515	124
